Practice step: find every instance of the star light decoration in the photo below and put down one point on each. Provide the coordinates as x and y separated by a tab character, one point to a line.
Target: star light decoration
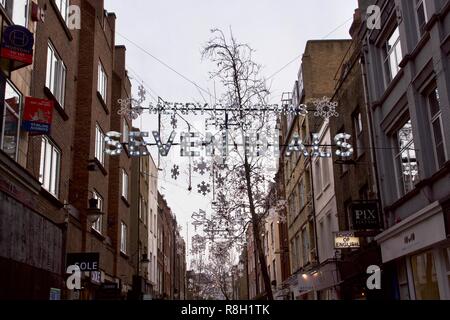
175	172
325	108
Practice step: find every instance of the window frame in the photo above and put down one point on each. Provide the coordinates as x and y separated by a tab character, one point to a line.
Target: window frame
102	82
358	128
433	118
99	144
392	52
125	184
98	225
58	4
51	77
52	189
398	153
8	5
420	28
123	237
17	115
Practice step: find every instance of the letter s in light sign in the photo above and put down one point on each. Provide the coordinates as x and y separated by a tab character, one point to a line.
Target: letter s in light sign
113	147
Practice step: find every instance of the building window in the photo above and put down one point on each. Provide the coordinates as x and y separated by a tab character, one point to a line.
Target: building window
425	278
17	10
325	173
56	75
436	125
49	173
421	14
301	194
403	285
97	225
317	178
99	145
393	55
63	7
408	169
123	237
102	85
358	127
125	131
10	126
305	246
124	184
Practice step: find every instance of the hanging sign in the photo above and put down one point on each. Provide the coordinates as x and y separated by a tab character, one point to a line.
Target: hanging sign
17	44
37	115
365	216
346	240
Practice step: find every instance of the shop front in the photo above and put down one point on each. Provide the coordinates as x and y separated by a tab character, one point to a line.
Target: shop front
418	251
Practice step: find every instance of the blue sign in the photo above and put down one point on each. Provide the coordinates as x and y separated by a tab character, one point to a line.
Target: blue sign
17	44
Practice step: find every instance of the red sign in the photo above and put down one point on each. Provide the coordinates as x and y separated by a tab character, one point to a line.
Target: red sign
37	115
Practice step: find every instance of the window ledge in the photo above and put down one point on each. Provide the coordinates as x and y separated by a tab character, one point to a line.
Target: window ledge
124	255
61	20
102	102
99	165
97	234
50	197
125	201
58	106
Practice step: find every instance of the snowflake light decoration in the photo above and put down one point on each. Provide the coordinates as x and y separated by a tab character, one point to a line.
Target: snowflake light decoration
204	188
201	166
325	108
175	172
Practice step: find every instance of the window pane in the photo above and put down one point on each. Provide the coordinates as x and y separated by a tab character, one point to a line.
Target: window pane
10	134
54	173
439	142
20	11
424	273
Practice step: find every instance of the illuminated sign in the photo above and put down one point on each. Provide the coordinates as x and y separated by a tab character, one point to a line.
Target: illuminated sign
346	240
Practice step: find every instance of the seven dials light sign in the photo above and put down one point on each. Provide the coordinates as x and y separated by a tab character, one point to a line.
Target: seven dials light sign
346	240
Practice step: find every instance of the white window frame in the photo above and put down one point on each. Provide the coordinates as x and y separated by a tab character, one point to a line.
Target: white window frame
102	82
99	144
125	184
123	237
63	7
50	166
402	184
55	79
417	5
391	55
98	225
15	114
9	8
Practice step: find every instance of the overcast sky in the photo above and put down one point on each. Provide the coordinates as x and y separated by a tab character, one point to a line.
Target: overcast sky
176	30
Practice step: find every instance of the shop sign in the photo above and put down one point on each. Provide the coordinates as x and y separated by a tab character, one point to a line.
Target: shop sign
96	277
346	240
86	261
37	115
365	216
17	44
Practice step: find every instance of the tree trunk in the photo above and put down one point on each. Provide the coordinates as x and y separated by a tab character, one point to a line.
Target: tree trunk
256	233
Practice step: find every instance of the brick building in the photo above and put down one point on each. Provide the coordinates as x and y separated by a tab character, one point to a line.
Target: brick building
316	79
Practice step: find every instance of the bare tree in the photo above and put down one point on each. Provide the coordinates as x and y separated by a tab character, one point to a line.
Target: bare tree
240	197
